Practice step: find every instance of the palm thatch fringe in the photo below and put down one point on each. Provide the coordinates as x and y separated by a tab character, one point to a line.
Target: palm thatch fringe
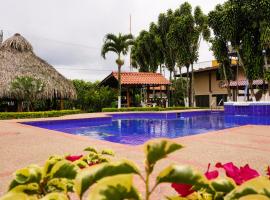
18	59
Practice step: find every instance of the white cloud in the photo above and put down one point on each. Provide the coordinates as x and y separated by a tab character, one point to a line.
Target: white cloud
69	33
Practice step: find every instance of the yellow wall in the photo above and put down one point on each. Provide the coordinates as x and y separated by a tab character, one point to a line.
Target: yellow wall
201	84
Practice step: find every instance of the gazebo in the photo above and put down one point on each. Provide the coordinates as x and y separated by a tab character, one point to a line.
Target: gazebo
17	59
151	85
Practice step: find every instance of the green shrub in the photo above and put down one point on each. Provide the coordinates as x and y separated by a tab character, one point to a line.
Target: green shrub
147	109
23	115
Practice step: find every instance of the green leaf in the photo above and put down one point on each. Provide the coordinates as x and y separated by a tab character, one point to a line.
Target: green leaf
180	174
17	196
30	174
91	175
31	188
91	149
158	149
260	185
63	169
55	196
58	185
176	198
80	163
223	185
108	152
50	163
117	187
254	197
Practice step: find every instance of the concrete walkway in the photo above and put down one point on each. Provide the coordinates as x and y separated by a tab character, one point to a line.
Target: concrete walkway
22	145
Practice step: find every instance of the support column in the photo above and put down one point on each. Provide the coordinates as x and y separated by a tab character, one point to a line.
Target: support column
147	94
128	98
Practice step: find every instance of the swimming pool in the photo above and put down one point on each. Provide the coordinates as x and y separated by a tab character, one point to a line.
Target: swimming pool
136	128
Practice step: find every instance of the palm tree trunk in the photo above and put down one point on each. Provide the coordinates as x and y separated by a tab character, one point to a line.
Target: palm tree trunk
119	86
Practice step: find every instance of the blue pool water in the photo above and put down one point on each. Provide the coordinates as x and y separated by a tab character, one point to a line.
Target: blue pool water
137	128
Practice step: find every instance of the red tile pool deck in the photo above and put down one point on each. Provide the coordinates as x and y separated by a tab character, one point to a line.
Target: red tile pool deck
22	145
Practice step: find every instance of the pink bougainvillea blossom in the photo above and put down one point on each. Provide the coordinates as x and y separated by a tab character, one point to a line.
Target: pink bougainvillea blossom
211	174
238	175
186	189
73	158
182	189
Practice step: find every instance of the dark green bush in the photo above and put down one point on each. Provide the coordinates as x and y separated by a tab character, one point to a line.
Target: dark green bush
147	109
23	115
91	97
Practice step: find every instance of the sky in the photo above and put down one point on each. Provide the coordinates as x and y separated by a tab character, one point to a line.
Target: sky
69	34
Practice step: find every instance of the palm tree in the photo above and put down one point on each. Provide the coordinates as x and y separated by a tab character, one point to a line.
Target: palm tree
119	45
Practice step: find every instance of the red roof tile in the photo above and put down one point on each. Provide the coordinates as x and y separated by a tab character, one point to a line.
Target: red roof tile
142	78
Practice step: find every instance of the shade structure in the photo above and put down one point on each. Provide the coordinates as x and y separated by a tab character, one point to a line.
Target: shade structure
17	59
136	79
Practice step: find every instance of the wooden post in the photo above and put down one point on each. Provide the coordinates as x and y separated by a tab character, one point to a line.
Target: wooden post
128	98
19	106
147	94
61	104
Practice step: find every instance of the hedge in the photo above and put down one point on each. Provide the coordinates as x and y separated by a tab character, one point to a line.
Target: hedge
40	114
147	109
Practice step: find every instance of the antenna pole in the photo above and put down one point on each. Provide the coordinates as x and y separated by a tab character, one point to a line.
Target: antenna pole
1	36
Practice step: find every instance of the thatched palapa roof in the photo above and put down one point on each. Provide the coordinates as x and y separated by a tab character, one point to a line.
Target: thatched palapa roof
17	59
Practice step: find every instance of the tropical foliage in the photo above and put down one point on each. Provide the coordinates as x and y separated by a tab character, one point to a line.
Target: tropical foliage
118	44
91	97
243	25
96	175
173	42
26	90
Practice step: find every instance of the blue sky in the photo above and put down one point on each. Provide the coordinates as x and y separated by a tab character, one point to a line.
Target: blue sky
69	33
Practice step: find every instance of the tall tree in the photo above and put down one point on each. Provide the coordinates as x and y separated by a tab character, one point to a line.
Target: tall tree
221	53
118	44
185	34
145	53
240	23
163	26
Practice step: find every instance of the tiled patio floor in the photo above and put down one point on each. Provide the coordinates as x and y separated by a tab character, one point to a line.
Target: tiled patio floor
22	145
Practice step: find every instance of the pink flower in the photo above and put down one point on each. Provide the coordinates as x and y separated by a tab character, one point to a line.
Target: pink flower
211	174
185	189
182	189
238	175
74	157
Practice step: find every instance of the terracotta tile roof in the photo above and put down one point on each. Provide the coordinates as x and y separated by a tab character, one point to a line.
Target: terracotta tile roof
142	78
